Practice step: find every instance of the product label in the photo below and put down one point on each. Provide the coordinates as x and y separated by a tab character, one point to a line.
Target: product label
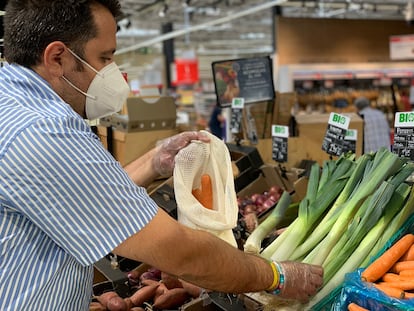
333	142
236	115
350	141
280	136
404	135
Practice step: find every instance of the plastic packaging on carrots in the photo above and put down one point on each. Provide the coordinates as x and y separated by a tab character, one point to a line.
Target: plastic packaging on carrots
192	164
364	294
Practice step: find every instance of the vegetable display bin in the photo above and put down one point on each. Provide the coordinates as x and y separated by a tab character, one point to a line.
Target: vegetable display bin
354	290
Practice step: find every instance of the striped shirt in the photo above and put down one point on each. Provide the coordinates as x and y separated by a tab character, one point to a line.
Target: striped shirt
65	202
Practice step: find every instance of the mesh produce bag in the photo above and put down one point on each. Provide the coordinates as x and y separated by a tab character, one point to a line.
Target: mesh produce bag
191	163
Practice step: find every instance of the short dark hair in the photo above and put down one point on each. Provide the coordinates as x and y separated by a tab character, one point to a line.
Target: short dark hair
30	25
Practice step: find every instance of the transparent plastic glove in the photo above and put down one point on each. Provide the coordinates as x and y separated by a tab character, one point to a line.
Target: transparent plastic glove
163	161
302	281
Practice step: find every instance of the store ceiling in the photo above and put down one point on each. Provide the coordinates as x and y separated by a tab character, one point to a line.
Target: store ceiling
217	27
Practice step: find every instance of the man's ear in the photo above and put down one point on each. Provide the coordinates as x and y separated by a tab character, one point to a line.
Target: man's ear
53	58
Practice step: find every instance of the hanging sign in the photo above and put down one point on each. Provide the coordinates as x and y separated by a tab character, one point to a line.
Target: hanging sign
335	134
350	141
186	71
236	115
404	135
402	47
250	78
280	134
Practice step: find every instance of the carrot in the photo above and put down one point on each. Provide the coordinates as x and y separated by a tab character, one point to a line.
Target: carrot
391	277
409	255
402	265
407	273
402	284
390	291
382	264
354	307
204	194
409	295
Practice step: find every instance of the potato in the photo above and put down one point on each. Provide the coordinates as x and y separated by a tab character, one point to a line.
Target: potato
173	298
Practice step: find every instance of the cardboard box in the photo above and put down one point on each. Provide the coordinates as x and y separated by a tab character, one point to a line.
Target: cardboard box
268	176
126	147
144	115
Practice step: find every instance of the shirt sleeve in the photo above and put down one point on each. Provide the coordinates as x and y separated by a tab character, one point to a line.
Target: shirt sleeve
63	180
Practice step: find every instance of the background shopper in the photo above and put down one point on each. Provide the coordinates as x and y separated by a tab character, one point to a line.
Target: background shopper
376	127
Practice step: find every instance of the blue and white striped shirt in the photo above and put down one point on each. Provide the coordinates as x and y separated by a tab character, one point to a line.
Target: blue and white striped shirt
65	202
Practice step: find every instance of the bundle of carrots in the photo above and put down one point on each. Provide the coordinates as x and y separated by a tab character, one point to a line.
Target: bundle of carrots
393	271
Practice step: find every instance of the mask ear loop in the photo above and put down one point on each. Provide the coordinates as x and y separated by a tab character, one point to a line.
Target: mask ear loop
74	86
78	89
83	62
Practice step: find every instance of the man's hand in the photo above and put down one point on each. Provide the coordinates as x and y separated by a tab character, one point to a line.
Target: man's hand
163	161
301	281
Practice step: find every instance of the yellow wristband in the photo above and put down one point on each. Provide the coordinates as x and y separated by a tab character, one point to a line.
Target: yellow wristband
275	282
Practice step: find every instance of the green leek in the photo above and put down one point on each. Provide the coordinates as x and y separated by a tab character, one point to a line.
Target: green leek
384	165
327	222
254	241
310	209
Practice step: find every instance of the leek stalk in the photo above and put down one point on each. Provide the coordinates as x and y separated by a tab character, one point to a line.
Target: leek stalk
365	219
254	241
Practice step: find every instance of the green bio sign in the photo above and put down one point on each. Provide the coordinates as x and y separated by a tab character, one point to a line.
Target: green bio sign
403	144
339	120
280	130
404	119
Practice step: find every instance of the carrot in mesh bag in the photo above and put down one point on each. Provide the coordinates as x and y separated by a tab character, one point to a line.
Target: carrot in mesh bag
204	194
213	205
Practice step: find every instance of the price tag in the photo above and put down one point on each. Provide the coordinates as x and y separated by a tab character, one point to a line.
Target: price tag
335	134
350	141
236	115
404	135
280	136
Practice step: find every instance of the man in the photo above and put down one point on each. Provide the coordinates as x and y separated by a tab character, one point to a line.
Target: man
376	127
65	202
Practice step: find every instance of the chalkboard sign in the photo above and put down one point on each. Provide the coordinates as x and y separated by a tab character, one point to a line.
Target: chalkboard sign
249	78
280	136
404	135
333	142
236	115
350	140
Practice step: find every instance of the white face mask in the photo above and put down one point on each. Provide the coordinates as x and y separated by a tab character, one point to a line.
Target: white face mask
106	93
